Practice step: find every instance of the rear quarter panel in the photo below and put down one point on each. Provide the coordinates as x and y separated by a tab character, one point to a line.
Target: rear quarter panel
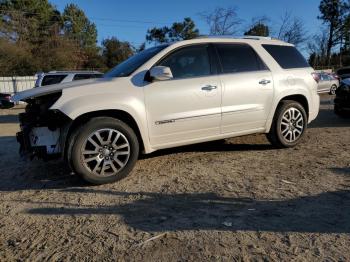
295	82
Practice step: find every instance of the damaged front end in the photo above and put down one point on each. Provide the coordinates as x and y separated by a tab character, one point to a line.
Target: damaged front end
42	130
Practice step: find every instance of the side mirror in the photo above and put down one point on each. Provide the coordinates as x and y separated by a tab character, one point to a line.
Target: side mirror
161	73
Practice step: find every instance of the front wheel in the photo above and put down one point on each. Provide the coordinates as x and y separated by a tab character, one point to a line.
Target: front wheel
289	125
104	150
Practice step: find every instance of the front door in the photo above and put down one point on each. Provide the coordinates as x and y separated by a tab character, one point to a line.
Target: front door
188	107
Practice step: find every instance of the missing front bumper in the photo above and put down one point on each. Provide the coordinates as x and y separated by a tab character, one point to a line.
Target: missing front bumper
39	142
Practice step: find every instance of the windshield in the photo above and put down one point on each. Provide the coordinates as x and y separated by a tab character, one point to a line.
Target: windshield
130	65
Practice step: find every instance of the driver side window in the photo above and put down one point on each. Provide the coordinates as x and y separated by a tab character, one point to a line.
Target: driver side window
188	62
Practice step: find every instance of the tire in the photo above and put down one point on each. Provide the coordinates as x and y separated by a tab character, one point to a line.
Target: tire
333	89
104	150
285	133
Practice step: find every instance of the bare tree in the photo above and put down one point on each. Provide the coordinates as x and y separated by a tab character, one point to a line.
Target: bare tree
261	20
333	13
292	30
318	44
260	26
317	47
222	21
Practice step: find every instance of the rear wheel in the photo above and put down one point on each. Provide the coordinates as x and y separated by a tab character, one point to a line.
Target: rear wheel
289	125
333	90
104	150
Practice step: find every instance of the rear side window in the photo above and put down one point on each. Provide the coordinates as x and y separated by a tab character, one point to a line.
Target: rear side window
85	76
287	56
236	58
52	79
325	77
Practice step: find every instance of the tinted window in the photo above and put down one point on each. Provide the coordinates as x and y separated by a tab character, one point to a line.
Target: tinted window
287	56
133	63
85	76
52	79
239	58
192	61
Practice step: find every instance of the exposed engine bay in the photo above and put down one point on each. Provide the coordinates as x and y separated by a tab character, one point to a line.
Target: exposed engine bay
42	129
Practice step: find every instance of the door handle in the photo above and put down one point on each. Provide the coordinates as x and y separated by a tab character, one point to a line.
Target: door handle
264	82
209	88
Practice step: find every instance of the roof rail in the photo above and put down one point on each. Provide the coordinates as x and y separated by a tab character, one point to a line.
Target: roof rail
73	72
257	37
216	36
237	37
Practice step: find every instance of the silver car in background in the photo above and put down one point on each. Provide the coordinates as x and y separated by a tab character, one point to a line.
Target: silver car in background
327	83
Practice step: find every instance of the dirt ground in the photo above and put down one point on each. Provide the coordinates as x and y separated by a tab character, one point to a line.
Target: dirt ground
233	200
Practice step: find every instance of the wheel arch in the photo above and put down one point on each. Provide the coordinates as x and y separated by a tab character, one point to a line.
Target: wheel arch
113	113
297	98
300	98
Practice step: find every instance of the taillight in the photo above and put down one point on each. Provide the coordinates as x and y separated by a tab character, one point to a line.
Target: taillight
8	98
316	77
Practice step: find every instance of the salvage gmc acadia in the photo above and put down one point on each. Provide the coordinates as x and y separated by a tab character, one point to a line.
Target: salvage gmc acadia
171	95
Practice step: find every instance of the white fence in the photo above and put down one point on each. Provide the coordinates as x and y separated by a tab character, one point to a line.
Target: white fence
15	84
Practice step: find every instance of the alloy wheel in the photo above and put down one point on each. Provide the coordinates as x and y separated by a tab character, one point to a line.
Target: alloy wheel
105	152
292	125
333	90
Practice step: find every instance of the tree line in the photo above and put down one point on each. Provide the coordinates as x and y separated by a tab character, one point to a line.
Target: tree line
35	36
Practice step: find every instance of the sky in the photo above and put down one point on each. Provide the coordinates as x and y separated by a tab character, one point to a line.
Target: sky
129	20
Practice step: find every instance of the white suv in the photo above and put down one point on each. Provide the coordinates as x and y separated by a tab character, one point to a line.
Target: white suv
57	77
172	95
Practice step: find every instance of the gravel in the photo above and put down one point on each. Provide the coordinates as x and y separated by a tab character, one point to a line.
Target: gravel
233	200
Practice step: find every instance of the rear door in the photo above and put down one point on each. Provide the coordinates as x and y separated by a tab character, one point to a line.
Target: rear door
324	84
247	88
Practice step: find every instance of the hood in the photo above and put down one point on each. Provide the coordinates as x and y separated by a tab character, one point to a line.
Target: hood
46	90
